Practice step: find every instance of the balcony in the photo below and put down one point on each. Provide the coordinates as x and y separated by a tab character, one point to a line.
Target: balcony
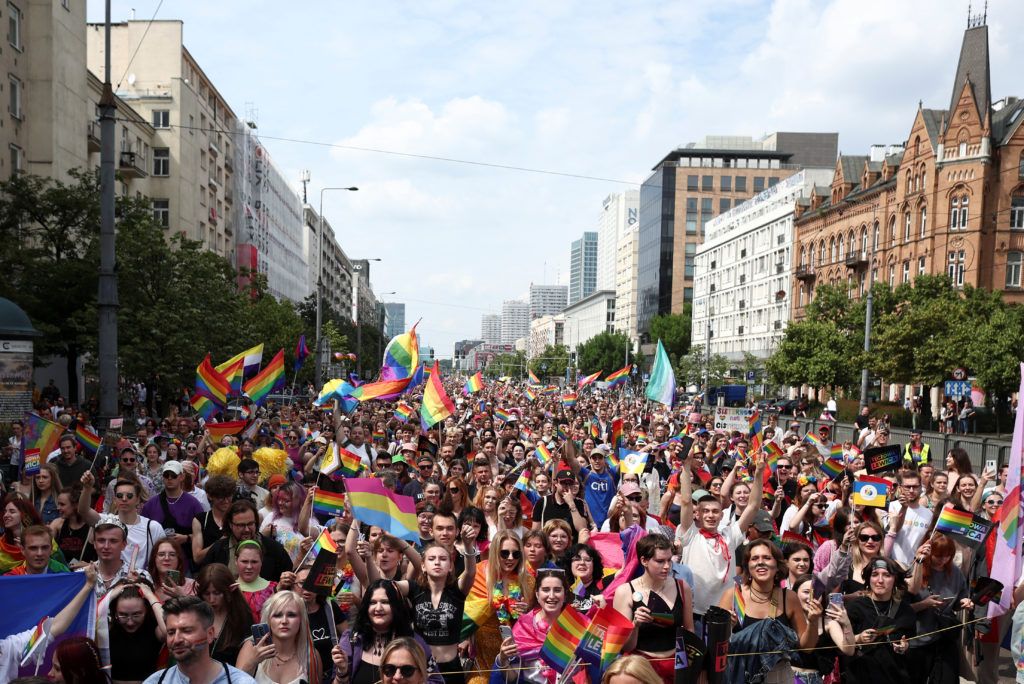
93	135
229	195
214	150
804	272
128	164
856	259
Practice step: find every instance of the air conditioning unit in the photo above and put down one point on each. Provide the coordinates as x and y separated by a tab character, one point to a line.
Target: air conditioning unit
743	304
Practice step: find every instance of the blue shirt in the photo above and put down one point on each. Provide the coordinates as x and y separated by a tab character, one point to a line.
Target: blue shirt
599	490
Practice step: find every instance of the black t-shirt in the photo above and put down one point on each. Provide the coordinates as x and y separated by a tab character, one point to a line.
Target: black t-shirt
320	632
132	655
878	663
549	509
441	625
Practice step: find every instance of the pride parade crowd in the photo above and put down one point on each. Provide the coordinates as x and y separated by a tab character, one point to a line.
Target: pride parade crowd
532	534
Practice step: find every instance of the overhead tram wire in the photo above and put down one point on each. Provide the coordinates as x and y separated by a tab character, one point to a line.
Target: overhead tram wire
137	47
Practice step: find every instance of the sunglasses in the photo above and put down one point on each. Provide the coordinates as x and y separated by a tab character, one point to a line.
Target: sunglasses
124	495
870	537
511	553
454	490
170	475
993	502
128	460
783	466
390	670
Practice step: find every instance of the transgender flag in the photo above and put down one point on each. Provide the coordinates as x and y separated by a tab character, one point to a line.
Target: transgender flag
1006	561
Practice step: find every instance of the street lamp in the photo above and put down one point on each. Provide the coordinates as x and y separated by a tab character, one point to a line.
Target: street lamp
320	286
355	314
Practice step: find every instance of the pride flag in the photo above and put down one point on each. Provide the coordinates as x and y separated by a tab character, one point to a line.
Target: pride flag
530	394
234	374
328	504
382	389
324	543
543	454
404	411
619	377
952	520
1006	560
534	380
818	443
301	352
41	434
89	440
662	385
436	404
632	462
523	483
502	414
251	359
563	638
340	459
35	640
836	452
833	467
569	400
583	382
211	383
267	380
202	405
474	384
616	433
219	431
401	356
374	505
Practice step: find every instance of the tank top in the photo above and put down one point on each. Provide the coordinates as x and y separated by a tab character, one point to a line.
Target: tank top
71	541
440	626
655	636
780	616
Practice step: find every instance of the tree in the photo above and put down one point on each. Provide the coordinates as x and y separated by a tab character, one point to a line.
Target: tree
552	362
690	369
815	352
511	364
605	353
674	332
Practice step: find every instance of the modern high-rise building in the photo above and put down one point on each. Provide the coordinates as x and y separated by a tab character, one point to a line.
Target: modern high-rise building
619	212
625	282
462	349
693	184
547	300
583	267
490	328
396	319
515	320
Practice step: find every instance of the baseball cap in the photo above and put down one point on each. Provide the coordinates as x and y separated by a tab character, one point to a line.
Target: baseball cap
701	494
564	473
399	458
424	461
171	467
628	488
763	522
600	453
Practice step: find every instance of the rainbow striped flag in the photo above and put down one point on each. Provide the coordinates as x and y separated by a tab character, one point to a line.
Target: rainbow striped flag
502	414
301	352
641	434
219	431
739	604
374	505
613	458
382	389
561	433
818	443
617	433
953	520
378	436
267	380
89	440
203	406
339	459
474	384
774	452
404	411
836	451
543	454
251	359
531	395
328	504
211	383
41	434
534	380
35	640
754	422
401	356
234	374
619	377
563	638
833	467
436	404
756	443
569	400
584	381
616	632
324	543
595	429
550	390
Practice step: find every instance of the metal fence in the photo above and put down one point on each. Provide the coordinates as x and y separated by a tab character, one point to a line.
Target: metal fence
980	449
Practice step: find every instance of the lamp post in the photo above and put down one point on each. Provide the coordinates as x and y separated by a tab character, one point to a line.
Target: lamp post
320	287
357	267
868	305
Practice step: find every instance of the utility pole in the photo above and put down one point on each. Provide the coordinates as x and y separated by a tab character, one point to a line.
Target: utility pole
106	300
867	311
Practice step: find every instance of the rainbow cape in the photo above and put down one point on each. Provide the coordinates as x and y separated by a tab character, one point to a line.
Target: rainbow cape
619	377
374	505
267	380
563	638
436	404
474	384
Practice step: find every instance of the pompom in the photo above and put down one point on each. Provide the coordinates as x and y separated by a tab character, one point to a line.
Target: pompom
272	462
224	461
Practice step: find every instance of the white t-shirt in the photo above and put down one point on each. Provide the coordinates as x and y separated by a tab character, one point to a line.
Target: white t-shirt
911	535
713	568
146	532
10	653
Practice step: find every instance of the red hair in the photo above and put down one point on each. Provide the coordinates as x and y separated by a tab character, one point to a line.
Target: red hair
941	546
79	661
153	571
29	514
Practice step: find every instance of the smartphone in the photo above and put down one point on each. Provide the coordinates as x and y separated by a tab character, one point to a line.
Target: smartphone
259	631
990	465
506	632
173	577
835	600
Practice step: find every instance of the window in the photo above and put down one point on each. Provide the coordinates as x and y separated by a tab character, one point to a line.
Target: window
14	103
832	249
963	212
892	275
821	253
1017	210
906	272
909	187
920	266
741	181
726	183
723	205
691	182
16	159
864	242
954	213
161	161
874	243
707	183
162	212
1013	264
924	221
161	118
14	26
842	248
892	231
955	268
906	227
1020	167
758	183
773	181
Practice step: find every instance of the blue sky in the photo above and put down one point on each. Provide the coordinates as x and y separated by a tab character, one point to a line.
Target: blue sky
595	88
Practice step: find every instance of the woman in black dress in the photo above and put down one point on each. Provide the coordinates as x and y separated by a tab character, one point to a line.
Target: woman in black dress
882	619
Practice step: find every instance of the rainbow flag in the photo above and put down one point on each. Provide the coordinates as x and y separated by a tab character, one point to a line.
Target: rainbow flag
267	380
595	429
641	434
301	352
569	400
251	359
1006	558
382	389
203	407
474	384
328	504
563	638
774	452
219	431
233	374
833	467
350	464
436	404
739	604
530	394
502	414
35	640
41	434
616	433
818	443
754	422
756	443
616	632
374	505
953	520
324	543
613	457
550	390
401	356
534	380
836	452
619	377
211	383
89	440
543	454
561	433
583	382
526	433
378	435
404	411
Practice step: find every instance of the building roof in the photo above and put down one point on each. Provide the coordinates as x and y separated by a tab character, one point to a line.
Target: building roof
973	67
852	166
1006	120
698	152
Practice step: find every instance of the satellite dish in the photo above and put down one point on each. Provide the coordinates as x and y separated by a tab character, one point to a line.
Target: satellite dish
131	79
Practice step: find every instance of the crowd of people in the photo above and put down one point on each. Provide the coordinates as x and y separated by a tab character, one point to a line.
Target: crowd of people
201	571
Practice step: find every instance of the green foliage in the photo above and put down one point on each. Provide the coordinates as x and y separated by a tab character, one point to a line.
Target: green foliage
674	332
690	369
512	364
605	352
551	363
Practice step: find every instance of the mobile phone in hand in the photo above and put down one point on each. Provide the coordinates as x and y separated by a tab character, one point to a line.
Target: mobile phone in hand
259	631
506	632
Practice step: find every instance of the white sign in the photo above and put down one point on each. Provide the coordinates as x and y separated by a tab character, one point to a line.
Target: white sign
15	346
729	419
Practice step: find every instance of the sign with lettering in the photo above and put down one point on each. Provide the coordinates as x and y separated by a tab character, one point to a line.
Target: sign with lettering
15	379
882	459
729	419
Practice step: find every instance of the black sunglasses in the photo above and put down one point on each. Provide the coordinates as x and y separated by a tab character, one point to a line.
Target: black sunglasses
390	670
511	553
870	537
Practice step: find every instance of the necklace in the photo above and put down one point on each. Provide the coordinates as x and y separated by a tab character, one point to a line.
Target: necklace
282	661
759	597
176	499
888	606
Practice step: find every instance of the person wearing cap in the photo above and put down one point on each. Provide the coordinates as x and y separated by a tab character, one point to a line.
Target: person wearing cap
174	508
562	505
705	550
630	507
916	452
424	469
599	483
127	467
400	466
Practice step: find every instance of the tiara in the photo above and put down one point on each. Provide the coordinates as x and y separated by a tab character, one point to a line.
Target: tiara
111	519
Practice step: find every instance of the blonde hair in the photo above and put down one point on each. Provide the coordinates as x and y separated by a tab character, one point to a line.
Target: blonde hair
309	659
415	650
524	578
633	666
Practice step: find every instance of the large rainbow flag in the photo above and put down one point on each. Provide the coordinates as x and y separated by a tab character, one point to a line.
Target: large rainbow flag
401	356
436	404
267	380
1006	560
382	389
588	379
211	383
218	431
41	434
240	365
373	504
89	440
619	377
563	638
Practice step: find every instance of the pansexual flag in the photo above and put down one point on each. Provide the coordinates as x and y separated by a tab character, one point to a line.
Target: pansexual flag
563	638
436	404
523	483
89	440
619	377
588	379
474	384
374	505
328	504
267	380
